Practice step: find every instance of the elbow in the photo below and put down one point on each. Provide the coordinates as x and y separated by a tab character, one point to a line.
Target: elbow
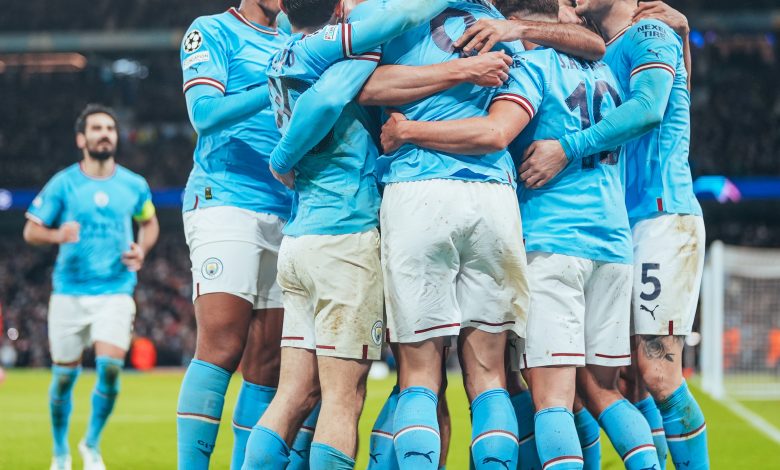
28	233
598	51
368	96
496	141
652	119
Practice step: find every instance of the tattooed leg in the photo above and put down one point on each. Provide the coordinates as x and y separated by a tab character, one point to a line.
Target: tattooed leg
659	360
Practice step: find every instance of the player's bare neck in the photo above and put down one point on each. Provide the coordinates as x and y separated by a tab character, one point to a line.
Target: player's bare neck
613	21
252	11
95	168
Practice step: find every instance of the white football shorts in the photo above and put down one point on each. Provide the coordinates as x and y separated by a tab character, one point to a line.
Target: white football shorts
578	312
77	321
668	265
453	258
234	251
333	298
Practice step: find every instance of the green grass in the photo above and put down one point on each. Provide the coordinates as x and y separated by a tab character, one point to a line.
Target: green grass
769	410
142	431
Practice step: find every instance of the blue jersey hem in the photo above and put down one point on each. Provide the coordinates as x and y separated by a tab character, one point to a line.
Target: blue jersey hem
584	254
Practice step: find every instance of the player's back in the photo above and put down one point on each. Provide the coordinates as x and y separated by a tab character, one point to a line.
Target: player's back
104	208
428	44
658	175
230	53
335	183
581	212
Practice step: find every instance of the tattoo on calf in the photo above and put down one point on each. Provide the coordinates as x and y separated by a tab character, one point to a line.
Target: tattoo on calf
657	347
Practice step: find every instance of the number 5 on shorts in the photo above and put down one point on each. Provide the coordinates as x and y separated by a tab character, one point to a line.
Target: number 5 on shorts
648	279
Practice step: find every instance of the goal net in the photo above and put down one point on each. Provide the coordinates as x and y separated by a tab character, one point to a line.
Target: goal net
741	322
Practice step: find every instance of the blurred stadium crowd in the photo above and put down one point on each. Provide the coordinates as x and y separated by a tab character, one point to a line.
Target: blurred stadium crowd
736	132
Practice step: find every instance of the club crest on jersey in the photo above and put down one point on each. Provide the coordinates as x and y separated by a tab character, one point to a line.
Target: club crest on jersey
330	32
101	199
211	268
193	41
376	332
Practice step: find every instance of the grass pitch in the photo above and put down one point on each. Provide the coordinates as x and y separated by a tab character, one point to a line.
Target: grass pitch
142	431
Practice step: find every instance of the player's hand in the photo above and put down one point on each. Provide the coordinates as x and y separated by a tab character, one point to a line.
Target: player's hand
582	8
542	161
68	232
488	70
567	14
134	257
663	12
392	131
484	34
287	179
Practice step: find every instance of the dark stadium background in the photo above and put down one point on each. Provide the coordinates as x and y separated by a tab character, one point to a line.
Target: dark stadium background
736	111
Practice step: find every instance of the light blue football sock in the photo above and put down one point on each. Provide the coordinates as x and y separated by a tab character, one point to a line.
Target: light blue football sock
60	405
630	434
381	454
589	434
252	402
199	411
265	449
493	430
300	456
686	431
649	410
556	439
524	410
103	397
325	457
416	430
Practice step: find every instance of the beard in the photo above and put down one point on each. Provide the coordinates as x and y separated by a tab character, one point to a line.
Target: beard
98	153
102	156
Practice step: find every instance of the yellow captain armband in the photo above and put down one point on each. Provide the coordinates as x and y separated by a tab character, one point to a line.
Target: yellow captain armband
147	212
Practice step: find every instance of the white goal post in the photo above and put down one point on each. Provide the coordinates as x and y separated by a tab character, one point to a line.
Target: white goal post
740	322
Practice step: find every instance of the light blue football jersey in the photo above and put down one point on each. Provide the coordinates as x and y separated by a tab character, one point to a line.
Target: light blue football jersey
335	183
105	209
432	43
581	212
658	177
230	53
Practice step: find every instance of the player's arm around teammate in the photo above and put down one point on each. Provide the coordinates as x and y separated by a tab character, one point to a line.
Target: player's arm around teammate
87	209
648	59
571	38
233	217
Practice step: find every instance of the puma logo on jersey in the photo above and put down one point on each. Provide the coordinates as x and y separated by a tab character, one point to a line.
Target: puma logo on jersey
374	457
299	452
652	312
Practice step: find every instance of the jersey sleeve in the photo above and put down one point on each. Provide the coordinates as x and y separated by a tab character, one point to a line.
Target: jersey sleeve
144	208
653	45
526	85
376	22
204	57
46	209
318	108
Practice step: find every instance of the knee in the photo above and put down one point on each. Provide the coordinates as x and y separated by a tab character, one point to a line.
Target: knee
226	356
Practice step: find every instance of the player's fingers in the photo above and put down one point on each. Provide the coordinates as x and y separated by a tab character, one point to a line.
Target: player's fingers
477	41
468	34
490	42
507	60
503	76
532	181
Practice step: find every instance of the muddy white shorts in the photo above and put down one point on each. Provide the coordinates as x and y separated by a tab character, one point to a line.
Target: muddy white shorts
668	265
234	251
333	299
453	257
77	321
579	312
